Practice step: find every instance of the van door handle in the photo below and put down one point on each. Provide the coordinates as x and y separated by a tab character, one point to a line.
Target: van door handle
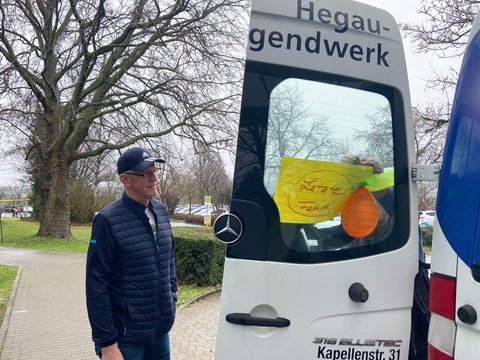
249	320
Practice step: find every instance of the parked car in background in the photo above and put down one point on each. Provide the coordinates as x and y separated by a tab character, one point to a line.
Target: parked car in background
25	211
13	209
202	210
187	209
196	209
426	215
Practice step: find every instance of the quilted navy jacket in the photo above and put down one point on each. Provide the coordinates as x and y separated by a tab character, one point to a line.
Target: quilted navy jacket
130	279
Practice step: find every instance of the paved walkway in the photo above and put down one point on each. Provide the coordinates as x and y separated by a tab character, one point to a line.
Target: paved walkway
47	318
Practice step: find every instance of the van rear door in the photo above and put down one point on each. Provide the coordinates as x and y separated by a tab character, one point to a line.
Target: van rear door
322	251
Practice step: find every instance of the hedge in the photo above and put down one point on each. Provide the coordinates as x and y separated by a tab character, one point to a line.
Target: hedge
427	235
199	256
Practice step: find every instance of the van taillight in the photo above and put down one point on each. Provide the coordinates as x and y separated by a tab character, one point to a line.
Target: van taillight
441	333
435	354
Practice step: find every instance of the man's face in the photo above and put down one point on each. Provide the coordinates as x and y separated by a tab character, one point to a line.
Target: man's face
141	188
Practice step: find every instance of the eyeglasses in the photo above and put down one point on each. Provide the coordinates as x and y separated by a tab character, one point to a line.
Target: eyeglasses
146	175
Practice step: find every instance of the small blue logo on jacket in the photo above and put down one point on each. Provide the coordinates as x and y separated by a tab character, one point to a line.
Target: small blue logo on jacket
93	241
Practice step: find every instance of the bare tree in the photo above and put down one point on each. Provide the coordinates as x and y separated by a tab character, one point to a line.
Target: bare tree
79	78
12	191
168	189
94	170
209	172
444	32
430	133
187	184
446	27
195	176
295	130
378	137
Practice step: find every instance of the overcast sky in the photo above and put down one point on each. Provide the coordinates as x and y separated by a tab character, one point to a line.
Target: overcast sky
420	67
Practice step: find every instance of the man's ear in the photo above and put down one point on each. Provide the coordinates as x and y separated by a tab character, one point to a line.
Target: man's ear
124	180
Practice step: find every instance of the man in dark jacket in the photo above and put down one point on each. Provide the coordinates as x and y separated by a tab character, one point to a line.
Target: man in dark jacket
130	279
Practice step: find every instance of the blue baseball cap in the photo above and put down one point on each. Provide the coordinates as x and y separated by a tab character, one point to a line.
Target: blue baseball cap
136	159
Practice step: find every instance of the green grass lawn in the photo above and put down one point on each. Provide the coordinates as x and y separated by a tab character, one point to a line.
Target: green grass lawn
7	278
17	233
21	234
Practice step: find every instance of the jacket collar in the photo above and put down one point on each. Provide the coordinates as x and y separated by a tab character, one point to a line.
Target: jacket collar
133	205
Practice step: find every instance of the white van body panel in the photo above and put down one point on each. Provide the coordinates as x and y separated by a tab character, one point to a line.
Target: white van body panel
443	257
315	298
467	344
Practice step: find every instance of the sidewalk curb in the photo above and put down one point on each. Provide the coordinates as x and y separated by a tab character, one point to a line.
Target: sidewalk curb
8	311
199	297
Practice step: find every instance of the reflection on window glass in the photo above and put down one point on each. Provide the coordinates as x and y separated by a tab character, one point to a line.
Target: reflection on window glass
329	165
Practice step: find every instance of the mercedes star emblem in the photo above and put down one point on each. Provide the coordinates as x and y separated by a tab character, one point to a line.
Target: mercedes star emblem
227	228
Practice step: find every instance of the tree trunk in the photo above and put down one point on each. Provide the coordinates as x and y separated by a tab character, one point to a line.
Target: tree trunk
55	214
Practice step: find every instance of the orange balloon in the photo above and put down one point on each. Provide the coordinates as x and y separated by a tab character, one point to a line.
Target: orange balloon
360	213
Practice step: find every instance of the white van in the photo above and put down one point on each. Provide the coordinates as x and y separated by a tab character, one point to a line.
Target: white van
455	264
323	79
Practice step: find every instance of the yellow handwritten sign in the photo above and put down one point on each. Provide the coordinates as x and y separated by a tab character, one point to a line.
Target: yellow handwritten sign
310	191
